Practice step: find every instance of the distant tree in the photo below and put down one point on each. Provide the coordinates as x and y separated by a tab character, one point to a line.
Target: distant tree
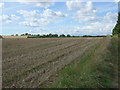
16	35
46	36
68	35
37	35
50	35
55	35
22	34
43	36
26	33
62	35
29	34
87	36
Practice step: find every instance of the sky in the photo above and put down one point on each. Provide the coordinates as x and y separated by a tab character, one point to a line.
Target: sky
72	17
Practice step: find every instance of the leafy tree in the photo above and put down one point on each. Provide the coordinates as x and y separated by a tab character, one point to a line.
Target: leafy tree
54	35
50	35
22	34
116	30
30	34
87	36
62	35
68	35
37	35
43	36
16	35
26	33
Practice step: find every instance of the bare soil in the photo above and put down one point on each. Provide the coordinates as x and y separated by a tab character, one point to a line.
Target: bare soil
28	63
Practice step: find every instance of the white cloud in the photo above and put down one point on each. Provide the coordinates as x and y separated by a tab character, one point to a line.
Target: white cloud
14	17
38	3
103	27
9	21
36	22
29	1
117	0
29	14
1	5
96	28
79	5
32	18
99	28
5	18
44	21
74	4
44	4
31	24
38	30
84	18
48	13
36	19
110	17
8	18
85	10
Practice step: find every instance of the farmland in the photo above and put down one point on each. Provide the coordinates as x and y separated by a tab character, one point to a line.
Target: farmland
29	63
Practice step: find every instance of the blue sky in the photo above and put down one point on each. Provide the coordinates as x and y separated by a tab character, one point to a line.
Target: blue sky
70	17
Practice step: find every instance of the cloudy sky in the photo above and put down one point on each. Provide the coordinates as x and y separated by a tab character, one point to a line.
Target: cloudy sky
69	17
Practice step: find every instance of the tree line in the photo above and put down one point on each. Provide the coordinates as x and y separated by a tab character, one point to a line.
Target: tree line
45	36
54	35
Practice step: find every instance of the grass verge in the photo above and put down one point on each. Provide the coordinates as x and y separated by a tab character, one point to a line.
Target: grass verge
98	68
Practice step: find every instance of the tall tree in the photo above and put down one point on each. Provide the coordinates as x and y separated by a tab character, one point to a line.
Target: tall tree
116	29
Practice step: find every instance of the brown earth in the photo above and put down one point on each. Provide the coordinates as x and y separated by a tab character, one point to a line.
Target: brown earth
14	36
29	63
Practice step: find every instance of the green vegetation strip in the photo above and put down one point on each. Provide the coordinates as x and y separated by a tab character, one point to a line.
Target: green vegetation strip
90	71
77	75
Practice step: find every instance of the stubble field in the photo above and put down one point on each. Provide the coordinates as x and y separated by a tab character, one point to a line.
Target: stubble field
29	63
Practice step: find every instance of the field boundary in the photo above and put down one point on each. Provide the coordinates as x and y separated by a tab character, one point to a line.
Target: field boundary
82	67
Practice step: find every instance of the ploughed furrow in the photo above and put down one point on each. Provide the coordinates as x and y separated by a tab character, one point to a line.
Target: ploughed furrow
35	52
38	68
41	60
48	69
21	51
34	56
